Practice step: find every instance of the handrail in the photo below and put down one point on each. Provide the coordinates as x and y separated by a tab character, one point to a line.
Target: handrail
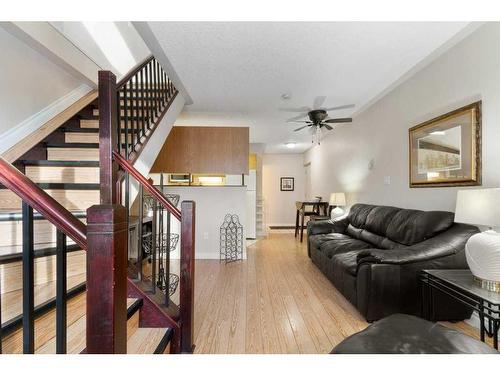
42	202
150	188
132	72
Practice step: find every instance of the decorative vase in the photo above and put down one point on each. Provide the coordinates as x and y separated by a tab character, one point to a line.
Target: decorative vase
482	252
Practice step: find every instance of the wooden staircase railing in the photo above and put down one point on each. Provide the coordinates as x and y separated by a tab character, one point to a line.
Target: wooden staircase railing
187	218
129	113
33	197
144	96
130	110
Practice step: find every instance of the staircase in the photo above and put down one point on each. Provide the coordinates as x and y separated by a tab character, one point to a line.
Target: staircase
44	288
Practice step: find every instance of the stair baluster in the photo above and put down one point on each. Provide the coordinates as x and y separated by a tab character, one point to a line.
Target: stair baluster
61	293
140	233
28	281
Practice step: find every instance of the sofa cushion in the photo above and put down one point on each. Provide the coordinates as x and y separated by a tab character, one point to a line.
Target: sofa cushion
379	218
341	243
377	241
318	239
353	232
346	262
409	227
358	214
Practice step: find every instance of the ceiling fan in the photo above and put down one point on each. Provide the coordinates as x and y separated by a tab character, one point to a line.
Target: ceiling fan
318	117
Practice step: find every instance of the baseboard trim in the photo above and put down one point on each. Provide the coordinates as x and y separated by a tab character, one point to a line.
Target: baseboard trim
283	227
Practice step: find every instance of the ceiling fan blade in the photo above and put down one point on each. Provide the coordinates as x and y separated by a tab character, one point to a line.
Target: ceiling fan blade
318	102
300	109
340	107
328	127
305	122
302	127
338	120
298	117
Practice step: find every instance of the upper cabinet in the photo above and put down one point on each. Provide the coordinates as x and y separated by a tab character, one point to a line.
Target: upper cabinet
204	150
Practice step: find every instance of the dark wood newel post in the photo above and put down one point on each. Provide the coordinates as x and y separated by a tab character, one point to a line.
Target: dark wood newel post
186	293
108	136
107	239
106	279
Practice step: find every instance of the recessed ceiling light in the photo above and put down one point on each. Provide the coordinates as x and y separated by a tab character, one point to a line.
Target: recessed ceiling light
286	96
290	144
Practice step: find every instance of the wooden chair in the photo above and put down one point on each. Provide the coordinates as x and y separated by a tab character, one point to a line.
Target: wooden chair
301	211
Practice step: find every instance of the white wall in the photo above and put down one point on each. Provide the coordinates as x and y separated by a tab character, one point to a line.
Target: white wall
32	90
279	206
212	204
466	73
114	46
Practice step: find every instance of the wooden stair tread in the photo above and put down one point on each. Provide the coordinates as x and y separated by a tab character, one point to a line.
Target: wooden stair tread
69	153
76	334
12	302
45	340
148	341
91	138
70	199
62	174
62	163
45	326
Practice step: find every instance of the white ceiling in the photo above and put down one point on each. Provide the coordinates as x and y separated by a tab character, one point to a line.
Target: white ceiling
236	72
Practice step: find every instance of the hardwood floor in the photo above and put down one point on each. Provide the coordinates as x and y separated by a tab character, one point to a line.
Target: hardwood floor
276	301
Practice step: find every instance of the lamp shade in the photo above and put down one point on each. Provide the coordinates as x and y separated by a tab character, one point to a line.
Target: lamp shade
337	199
479	207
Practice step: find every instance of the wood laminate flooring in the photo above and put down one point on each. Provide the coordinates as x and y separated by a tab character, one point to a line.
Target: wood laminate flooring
276	301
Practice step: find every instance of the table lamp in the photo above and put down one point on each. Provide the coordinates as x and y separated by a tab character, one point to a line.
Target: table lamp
482	251
337	200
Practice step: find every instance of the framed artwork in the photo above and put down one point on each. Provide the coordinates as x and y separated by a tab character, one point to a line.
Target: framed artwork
287	183
446	151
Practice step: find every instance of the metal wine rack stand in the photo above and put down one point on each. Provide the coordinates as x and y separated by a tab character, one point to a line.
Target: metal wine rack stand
231	239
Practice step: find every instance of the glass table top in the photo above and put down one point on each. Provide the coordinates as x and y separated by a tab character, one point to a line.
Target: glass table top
464	280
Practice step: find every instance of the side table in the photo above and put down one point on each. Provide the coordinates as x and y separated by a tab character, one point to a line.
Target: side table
459	284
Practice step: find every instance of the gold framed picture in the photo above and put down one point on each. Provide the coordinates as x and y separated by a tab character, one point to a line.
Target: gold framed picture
446	151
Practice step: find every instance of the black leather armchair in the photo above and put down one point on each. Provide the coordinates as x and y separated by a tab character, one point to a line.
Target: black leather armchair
375	254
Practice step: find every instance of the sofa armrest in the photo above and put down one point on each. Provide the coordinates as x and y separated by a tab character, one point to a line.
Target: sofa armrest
449	242
327	226
384	289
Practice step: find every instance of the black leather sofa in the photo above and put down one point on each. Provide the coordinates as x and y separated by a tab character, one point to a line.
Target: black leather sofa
375	254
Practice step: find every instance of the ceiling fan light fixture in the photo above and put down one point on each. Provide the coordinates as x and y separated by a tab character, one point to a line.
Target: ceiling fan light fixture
290	144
